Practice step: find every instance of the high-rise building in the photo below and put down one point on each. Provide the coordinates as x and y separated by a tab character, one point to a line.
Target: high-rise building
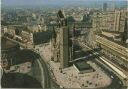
112	21
119	22
125	33
105	6
64	47
60	42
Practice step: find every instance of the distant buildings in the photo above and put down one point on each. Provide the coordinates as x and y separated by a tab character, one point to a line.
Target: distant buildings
105	6
111	21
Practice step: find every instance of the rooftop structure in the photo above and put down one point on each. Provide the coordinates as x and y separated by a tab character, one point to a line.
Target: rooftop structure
83	67
8	45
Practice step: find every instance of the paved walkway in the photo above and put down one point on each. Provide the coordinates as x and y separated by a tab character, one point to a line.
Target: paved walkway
70	78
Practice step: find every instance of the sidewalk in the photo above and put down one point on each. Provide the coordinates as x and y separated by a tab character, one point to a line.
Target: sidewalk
69	77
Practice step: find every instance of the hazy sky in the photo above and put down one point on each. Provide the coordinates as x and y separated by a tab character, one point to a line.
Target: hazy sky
39	2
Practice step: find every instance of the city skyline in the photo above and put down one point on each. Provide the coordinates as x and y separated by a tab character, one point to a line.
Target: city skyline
51	2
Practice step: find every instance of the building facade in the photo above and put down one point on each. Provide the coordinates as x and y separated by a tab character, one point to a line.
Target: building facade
111	21
60	42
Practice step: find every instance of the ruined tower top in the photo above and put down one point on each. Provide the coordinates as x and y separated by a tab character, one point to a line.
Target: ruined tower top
61	14
61	18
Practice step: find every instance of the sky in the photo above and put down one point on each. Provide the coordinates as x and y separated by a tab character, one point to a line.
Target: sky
40	2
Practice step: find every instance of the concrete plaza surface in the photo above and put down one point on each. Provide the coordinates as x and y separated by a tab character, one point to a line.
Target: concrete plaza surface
69	77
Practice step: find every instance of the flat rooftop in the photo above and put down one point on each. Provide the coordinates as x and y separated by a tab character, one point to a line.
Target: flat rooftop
7	44
82	65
